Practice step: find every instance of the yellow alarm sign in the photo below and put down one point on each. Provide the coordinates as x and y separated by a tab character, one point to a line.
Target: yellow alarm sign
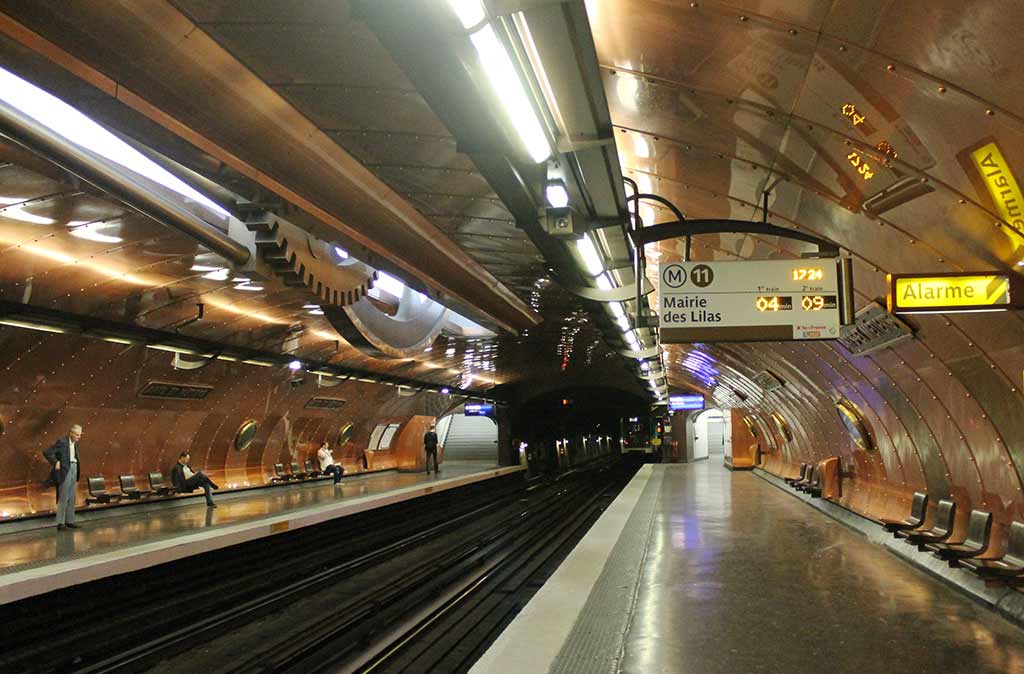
975	291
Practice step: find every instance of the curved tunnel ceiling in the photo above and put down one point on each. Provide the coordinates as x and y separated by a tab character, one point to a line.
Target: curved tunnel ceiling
715	101
828	103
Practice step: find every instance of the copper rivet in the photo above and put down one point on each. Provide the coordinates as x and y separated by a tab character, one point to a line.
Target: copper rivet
990	112
963	201
743	18
942	90
842	47
890	67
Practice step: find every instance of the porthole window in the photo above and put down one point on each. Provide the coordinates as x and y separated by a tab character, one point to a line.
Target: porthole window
782	426
856	426
246	434
345	434
751	425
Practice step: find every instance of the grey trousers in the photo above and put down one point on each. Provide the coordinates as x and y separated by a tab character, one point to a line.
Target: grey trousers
66	497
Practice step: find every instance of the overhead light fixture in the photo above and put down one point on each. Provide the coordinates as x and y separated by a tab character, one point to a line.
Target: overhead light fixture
68	122
42	327
897	194
295	365
470	12
505	81
341	252
557	195
591	258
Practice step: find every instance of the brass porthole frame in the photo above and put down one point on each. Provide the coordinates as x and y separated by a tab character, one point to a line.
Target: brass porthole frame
345	433
783	427
751	425
856	425
245	434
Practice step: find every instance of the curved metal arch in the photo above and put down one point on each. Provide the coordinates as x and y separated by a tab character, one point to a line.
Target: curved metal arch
672	230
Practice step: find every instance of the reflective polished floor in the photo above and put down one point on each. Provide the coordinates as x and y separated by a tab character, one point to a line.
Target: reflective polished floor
741	577
120	528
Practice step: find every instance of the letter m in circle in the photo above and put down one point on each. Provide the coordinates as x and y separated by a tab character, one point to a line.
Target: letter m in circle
675	276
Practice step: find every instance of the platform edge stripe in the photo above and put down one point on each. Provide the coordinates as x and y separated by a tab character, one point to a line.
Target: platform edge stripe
547	620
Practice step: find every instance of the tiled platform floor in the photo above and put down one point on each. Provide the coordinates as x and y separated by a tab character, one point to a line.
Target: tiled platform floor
696	569
166	531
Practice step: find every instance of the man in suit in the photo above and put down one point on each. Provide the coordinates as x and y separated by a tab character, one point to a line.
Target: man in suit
430	447
63	458
185	479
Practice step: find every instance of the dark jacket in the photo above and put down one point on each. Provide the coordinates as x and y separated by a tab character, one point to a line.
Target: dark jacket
178	476
61	451
430	441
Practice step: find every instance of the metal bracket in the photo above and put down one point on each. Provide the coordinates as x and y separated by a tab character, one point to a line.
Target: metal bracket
620	294
649	352
679	228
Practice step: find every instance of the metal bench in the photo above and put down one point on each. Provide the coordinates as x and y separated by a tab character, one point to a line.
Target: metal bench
98	492
804	467
280	475
158	486
129	489
975	543
1010	565
945	515
918	513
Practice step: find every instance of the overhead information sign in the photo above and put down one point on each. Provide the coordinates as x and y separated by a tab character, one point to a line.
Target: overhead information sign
946	293
750	300
685	402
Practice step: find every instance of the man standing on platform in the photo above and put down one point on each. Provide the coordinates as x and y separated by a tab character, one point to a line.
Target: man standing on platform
430	447
63	458
185	479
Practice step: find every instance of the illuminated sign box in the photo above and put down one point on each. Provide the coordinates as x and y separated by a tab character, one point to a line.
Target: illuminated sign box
479	410
685	402
953	292
752	300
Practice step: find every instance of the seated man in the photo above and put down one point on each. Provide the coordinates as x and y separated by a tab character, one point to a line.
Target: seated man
327	464
185	479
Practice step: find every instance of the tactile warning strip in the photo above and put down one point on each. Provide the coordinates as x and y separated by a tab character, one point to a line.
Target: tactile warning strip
596	641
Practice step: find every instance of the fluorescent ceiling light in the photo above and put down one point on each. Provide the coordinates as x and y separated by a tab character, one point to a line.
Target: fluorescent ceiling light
558	196
221	274
341	252
68	122
588	252
9	210
14	323
623	322
89	232
604	282
295	365
389	284
509	90
470	12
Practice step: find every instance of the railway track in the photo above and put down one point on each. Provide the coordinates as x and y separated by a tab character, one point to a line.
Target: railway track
419	589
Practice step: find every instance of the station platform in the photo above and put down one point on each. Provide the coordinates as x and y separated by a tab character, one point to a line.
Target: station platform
121	540
696	569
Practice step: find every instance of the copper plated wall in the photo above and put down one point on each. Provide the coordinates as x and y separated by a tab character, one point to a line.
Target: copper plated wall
54	380
717	101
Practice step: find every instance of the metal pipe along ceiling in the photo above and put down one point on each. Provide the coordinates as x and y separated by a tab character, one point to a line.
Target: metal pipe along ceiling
30	134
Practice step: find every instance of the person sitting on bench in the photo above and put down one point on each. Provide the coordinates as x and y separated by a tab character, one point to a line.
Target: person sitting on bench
185	479
327	464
